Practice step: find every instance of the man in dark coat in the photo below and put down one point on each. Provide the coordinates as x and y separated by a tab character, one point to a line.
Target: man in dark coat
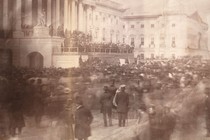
15	110
38	103
122	101
106	106
83	119
162	123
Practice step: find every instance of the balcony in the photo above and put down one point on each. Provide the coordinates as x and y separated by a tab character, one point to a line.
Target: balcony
82	50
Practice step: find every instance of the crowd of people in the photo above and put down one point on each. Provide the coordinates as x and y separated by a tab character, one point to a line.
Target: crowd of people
37	92
82	40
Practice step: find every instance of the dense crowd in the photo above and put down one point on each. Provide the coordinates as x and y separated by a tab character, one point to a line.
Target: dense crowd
82	40
37	92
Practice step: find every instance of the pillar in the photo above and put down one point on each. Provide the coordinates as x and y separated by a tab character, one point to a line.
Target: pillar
5	15
49	10
28	12
17	33
39	10
57	14
85	18
81	17
73	15
69	16
66	13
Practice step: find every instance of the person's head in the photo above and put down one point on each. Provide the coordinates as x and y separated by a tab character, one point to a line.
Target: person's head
106	88
31	81
113	82
151	109
39	81
122	88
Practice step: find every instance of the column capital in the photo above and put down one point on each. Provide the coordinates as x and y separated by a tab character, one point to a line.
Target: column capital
85	6
80	1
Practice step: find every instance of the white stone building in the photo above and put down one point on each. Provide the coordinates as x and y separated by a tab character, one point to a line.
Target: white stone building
25	39
168	34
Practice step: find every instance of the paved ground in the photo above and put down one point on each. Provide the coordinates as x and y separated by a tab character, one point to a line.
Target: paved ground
99	132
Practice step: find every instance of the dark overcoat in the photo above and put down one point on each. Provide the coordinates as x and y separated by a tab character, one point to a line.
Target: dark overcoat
122	101
83	119
106	102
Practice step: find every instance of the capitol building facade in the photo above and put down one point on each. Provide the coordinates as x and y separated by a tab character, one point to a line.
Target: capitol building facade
33	32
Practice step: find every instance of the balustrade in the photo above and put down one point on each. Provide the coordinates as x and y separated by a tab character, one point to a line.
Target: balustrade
64	50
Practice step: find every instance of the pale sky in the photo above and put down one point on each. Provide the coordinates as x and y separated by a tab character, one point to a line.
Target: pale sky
202	6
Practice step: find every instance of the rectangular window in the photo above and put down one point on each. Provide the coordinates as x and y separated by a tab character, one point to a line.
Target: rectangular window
173	40
142	25
132	41
123	40
152	25
96	17
173	25
132	26
142	56
123	26
152	40
142	40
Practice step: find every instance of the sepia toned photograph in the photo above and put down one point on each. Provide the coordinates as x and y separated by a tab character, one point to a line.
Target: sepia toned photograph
104	70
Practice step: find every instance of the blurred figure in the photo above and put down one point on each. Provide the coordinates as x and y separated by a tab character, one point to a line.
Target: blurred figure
68	120
122	102
207	92
83	119
38	103
106	106
16	114
162	123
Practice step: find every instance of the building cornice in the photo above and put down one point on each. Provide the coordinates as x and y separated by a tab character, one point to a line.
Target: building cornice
110	6
140	16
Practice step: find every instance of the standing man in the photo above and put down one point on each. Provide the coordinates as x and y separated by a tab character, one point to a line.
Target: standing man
106	106
122	102
38	103
83	119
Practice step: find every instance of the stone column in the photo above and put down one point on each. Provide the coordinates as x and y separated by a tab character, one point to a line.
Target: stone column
49	13
81	17
69	16
39	8
17	33
66	17
73	15
5	15
85	18
28	12
93	16
57	14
